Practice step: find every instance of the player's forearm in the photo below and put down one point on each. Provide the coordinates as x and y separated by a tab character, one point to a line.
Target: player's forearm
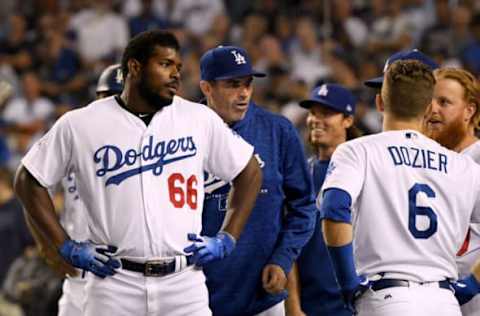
242	197
337	234
292	303
42	242
39	206
338	237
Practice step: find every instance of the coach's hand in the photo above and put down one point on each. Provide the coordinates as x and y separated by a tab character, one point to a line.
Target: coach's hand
88	256
274	279
466	289
206	249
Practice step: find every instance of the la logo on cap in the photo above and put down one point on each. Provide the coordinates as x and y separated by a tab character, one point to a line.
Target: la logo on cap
119	76
239	58
323	90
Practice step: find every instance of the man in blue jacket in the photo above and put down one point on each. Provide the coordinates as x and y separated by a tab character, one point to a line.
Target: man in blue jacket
330	123
252	280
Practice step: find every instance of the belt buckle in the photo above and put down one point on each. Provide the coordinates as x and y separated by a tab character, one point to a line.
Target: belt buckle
156	268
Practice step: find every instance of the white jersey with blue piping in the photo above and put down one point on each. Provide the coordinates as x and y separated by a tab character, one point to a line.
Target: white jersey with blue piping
142	185
409	216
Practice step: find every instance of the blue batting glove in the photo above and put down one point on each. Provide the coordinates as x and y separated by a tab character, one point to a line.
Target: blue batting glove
88	256
351	295
465	289
206	249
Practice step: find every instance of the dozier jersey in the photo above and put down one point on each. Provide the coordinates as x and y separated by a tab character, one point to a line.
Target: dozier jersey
412	202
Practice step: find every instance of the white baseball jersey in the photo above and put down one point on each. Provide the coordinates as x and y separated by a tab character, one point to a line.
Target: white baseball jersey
412	201
73	217
142	185
74	221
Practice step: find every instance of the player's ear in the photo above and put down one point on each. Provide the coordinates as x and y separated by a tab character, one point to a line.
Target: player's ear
134	67
347	121
379	103
206	87
470	111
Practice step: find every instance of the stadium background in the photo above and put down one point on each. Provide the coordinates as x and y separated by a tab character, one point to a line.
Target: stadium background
52	52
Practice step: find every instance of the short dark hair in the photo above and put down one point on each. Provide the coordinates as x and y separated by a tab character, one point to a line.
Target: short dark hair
142	45
407	89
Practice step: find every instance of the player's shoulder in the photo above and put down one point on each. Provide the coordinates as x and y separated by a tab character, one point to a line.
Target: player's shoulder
473	151
360	142
368	144
190	110
96	112
461	160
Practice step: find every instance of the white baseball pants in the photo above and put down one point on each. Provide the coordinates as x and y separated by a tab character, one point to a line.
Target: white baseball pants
416	300
131	293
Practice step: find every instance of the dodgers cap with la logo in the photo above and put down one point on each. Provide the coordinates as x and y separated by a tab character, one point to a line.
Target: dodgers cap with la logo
413	54
332	96
226	62
111	80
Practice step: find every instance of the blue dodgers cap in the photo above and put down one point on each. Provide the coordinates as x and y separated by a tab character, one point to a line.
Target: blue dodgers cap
333	96
226	62
413	54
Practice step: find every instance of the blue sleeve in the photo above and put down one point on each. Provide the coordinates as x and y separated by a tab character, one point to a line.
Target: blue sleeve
335	205
299	221
344	264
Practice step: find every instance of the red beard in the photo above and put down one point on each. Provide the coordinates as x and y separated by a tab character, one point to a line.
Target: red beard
451	135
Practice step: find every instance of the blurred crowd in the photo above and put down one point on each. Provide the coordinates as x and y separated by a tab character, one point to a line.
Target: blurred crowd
52	52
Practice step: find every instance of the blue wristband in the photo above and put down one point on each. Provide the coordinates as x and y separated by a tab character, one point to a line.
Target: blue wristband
342	258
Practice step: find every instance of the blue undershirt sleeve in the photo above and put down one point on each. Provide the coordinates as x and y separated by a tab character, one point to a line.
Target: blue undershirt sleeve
335	205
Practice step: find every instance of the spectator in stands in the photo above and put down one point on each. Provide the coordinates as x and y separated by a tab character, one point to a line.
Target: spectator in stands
26	116
101	34
197	16
16	48
307	56
146	20
62	77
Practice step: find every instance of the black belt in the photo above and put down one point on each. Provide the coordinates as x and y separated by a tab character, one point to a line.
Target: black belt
155	268
388	283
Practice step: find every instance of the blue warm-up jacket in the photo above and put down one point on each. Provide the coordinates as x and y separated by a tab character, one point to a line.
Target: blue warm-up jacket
281	222
319	291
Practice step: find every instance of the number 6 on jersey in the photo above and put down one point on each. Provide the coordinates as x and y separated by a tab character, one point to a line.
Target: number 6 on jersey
414	210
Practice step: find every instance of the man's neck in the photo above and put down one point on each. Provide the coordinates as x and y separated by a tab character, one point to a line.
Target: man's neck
468	140
394	124
135	103
325	152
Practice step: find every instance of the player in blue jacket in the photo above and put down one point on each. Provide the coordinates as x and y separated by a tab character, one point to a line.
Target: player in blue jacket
330	123
252	280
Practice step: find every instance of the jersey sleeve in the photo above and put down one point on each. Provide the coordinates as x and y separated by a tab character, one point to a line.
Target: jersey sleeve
346	170
227	153
49	158
475	218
